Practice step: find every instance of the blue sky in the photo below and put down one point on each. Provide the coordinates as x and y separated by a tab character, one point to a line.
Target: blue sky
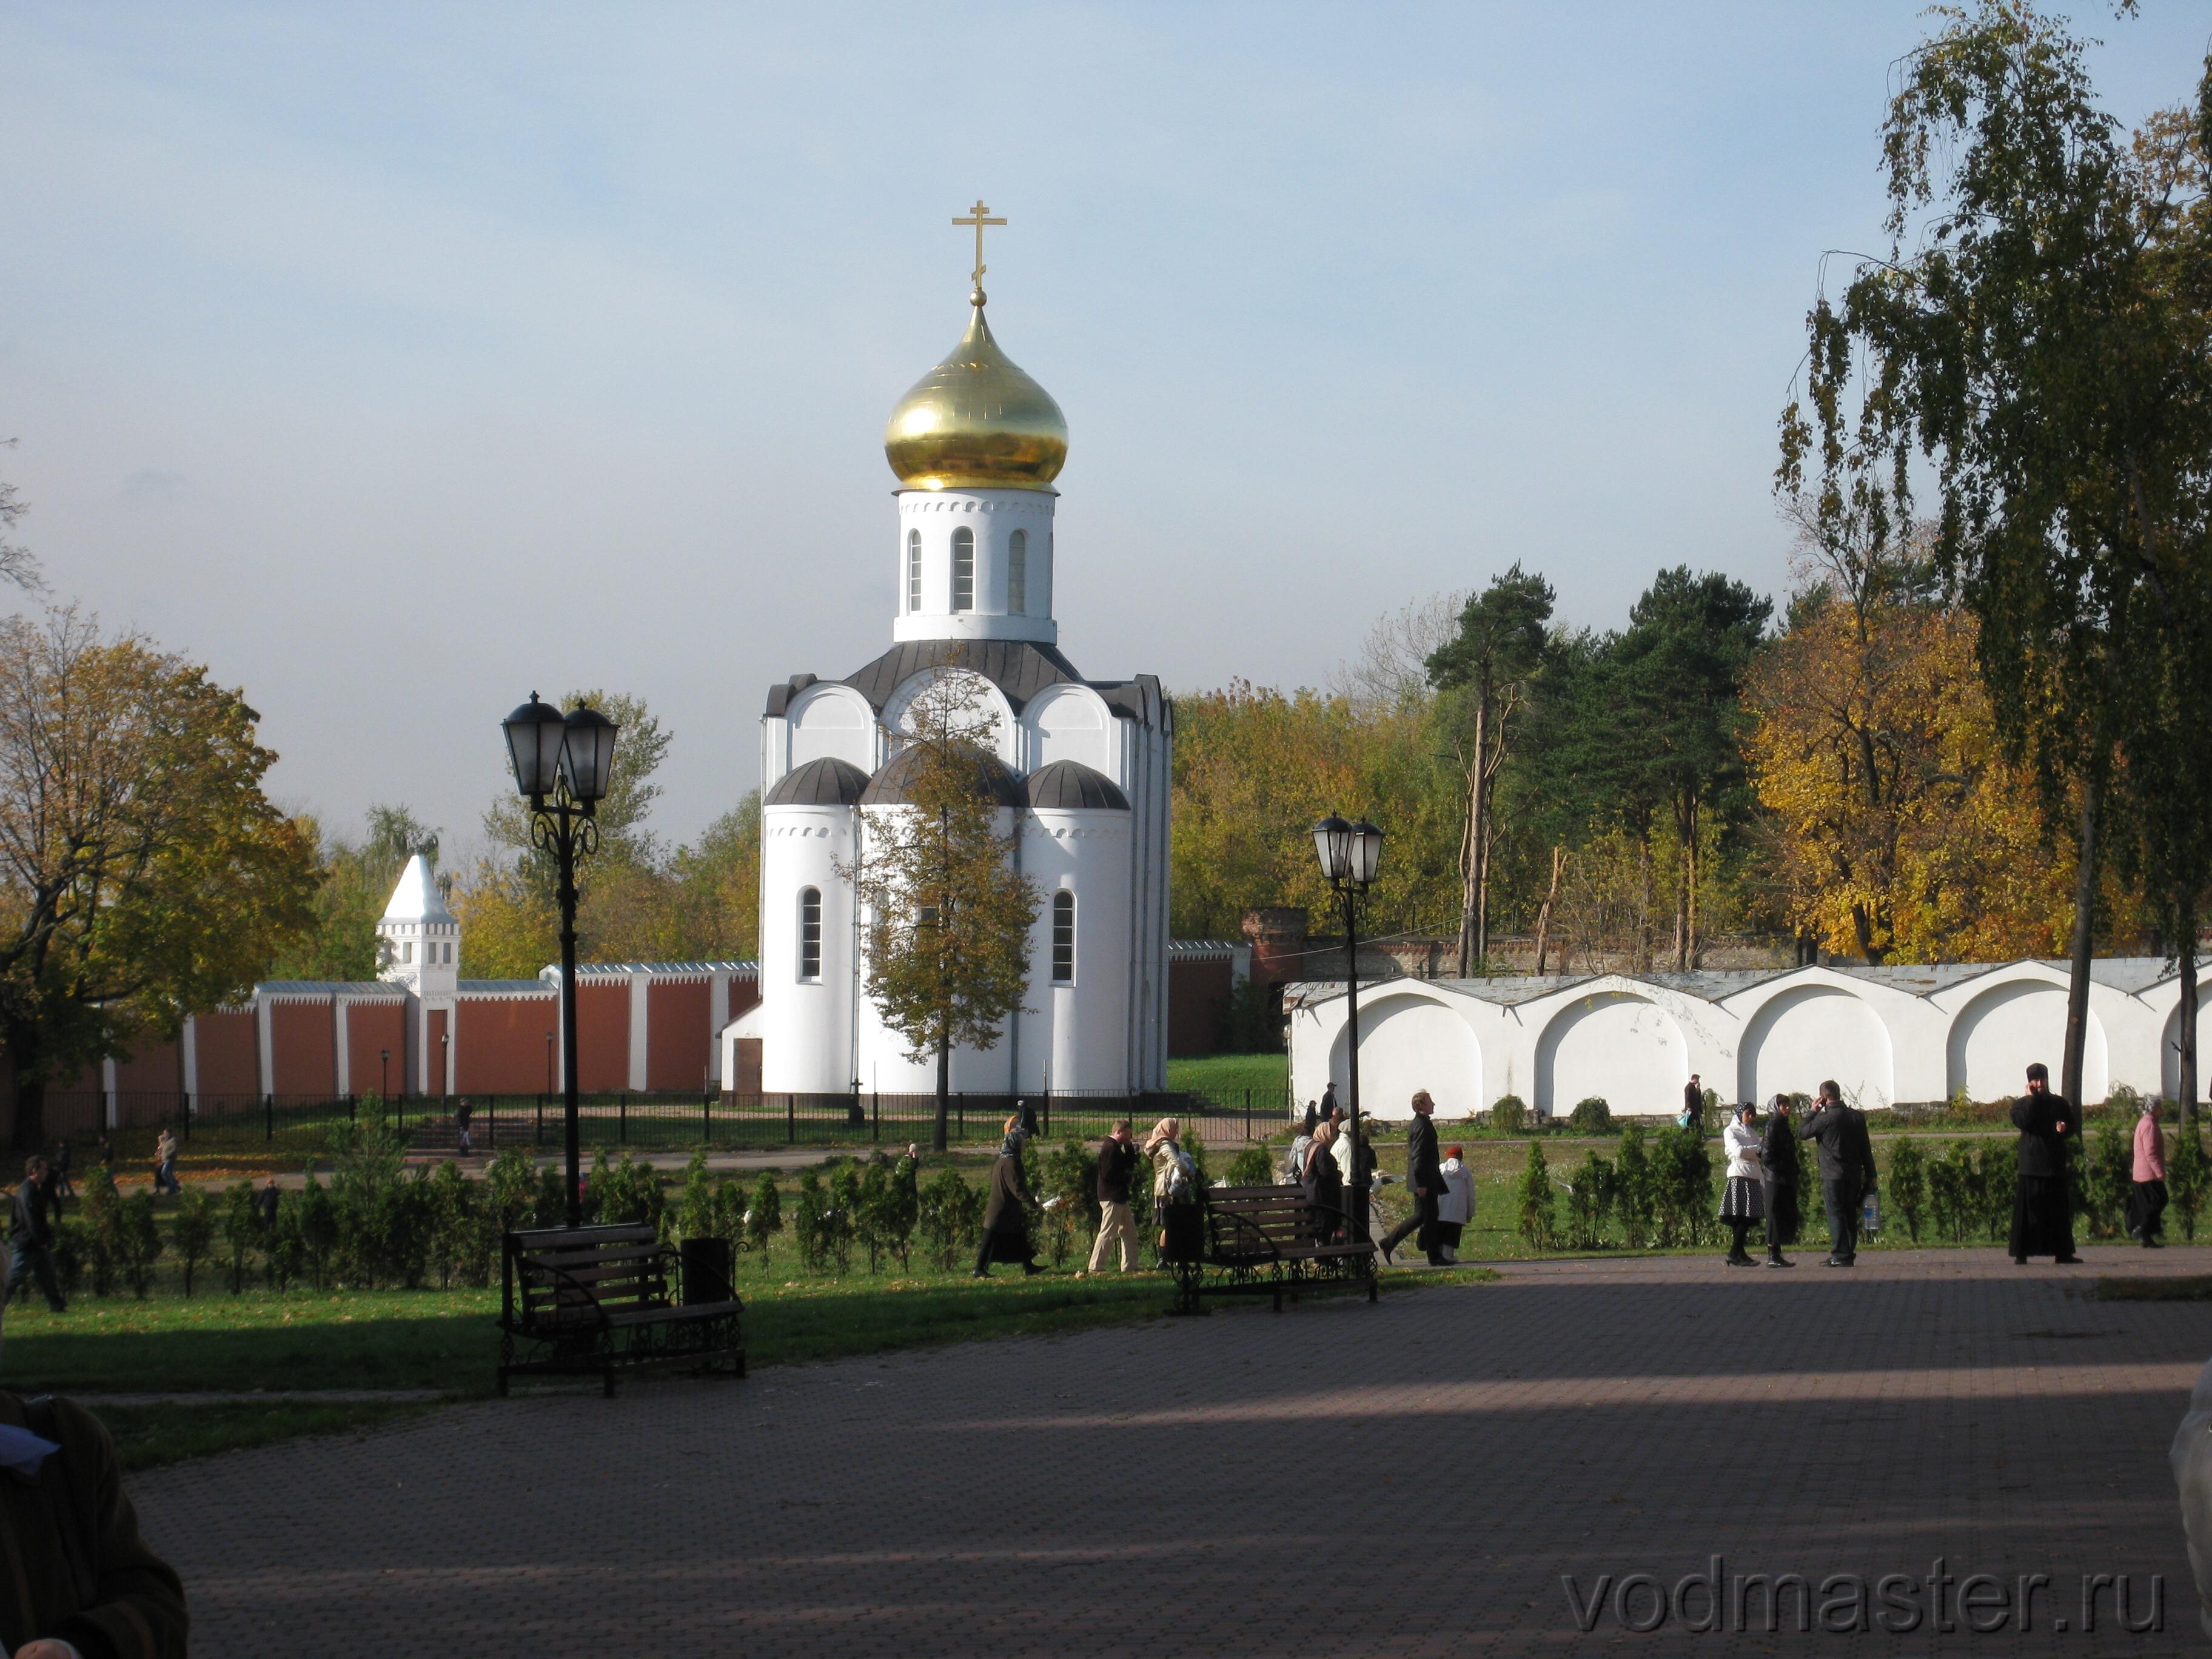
397	361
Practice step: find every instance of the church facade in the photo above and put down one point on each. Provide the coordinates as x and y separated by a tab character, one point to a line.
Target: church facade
1081	787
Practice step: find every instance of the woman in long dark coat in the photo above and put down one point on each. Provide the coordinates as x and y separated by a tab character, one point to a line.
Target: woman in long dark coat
1324	1184
1778	1160
2042	1210
1007	1220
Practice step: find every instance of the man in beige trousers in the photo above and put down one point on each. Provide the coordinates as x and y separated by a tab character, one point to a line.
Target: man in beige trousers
1117	1163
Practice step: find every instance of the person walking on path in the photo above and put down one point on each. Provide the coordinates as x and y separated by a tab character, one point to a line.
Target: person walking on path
1456	1208
1424	1176
165	1163
1847	1173
1743	1201
464	1116
1778	1168
82	1583
1693	1105
65	1187
1117	1163
1324	1184
1007	1218
31	1235
2147	1202
267	1203
2042	1213
1175	1192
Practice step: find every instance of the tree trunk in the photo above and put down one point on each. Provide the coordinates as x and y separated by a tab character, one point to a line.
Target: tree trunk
2085	937
1471	942
1550	898
1644	927
943	1090
2187	1088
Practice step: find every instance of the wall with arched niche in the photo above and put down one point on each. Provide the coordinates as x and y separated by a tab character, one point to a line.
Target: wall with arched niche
1409	1042
1996	1035
1811	1033
1622	1048
2169	1046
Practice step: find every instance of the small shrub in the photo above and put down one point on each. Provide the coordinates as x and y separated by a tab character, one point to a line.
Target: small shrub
318	1231
764	1217
1071	1179
842	1222
1539	1228
69	1257
695	1210
241	1229
1907	1186
1591	1117
1252	1167
195	1231
1682	1187
1590	1202
142	1243
952	1216
102	1215
1510	1114
2187	1171
1633	1199
2103	1189
2000	1176
452	1202
809	1220
510	1190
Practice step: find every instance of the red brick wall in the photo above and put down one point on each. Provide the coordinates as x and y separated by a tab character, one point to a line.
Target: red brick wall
603	1037
228	1049
1198	1004
433	1051
744	993
303	1047
371	1028
157	1068
499	1045
679	1047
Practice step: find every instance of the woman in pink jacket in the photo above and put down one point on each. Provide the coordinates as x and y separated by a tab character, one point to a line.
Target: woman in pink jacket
2147	1203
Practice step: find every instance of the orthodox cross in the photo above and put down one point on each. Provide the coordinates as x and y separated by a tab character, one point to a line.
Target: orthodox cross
979	216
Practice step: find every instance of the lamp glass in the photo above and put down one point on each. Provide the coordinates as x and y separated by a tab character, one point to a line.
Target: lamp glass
1366	853
588	755
1332	844
534	733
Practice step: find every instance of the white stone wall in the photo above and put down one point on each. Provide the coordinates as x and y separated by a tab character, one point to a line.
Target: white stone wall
1634	1043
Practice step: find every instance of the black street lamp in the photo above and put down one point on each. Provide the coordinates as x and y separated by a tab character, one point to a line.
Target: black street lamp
562	767
384	1075
444	1063
548	1062
1350	855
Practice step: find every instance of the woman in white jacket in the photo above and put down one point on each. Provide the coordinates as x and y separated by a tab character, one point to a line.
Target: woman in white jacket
1743	1205
1455	1204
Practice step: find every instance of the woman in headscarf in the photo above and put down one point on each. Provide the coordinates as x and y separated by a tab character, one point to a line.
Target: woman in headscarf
1324	1184
1175	1191
2146	1193
1777	1171
1743	1205
1007	1220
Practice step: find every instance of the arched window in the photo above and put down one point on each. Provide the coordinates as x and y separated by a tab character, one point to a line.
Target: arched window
1017	573
913	570
1063	937
963	569
809	933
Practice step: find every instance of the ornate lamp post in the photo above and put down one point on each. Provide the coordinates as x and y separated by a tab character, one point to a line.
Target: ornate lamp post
384	1076
562	768
1350	855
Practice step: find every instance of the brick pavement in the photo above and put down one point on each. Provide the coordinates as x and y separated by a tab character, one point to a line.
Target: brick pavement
1184	1486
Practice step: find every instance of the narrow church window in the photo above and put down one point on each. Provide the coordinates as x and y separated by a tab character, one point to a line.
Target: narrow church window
913	570
1063	937
963	569
810	933
1017	573
407	952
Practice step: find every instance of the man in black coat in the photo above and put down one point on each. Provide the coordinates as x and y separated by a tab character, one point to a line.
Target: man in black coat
1424	1174
2042	1212
31	1235
1846	1170
1117	1163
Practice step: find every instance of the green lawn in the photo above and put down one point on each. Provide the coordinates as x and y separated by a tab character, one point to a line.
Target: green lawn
1225	1078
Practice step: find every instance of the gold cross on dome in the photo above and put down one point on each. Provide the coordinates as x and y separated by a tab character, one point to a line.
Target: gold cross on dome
979	216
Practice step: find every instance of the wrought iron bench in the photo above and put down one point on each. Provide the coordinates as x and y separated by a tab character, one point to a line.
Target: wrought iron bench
1271	1241
596	1300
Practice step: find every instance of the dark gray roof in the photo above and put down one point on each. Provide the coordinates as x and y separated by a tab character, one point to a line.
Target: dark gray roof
890	785
1020	668
1067	783
825	782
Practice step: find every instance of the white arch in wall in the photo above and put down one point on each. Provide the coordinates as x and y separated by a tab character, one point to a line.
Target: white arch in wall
834	721
1618	1045
1809	1033
1408	1043
988	699
1070	722
2169	1044
1994	1037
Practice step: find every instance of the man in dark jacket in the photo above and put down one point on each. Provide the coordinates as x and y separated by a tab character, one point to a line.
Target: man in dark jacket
1846	1170
1007	1218
1117	1163
2042	1212
82	1576
1424	1175
1777	1163
31	1235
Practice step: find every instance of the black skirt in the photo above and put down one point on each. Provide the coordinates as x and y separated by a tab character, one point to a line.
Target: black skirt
1742	1202
2042	1219
1782	1221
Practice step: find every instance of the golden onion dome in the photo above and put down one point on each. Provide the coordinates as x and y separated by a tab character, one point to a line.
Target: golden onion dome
976	421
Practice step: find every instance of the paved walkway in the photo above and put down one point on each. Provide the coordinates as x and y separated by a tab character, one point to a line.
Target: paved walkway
1411	1479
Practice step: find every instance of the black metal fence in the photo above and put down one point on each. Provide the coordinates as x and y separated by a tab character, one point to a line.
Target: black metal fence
301	1125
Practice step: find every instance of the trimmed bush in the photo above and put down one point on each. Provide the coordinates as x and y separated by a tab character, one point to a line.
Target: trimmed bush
1907	1186
1538	1226
1591	1117
1252	1167
1509	1113
197	1216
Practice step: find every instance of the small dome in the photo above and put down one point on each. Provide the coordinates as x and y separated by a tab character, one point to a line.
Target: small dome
825	782
976	421
1068	784
889	787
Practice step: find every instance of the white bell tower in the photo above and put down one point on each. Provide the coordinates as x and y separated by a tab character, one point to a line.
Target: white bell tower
418	942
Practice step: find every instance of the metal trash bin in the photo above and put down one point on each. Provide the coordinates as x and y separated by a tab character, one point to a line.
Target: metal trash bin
706	1270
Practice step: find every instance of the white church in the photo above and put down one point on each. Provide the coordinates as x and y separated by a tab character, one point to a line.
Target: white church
1081	783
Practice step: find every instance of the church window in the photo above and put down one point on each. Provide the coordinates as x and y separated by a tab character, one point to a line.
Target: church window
809	933
1017	573
963	569
407	952
1063	937
913	570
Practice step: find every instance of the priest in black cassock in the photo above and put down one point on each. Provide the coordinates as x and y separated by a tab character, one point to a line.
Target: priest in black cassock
2042	1211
